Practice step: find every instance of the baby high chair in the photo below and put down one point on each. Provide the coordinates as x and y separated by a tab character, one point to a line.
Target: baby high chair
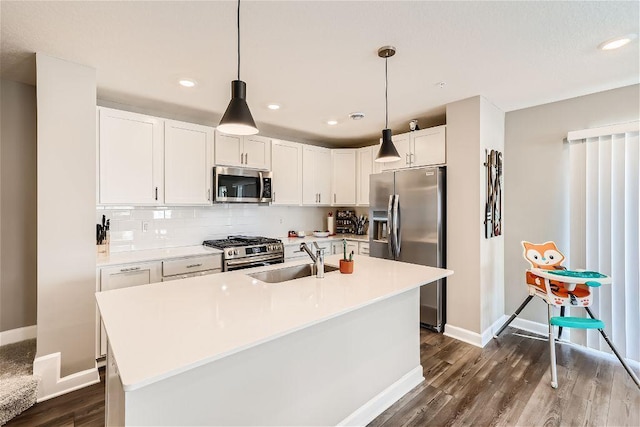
560	287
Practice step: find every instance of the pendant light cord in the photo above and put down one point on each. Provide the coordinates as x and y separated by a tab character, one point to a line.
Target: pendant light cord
386	98
238	39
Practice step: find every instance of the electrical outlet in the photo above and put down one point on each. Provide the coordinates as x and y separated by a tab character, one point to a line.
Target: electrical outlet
145	226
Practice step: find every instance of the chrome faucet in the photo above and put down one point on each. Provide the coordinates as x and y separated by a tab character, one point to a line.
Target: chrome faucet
318	258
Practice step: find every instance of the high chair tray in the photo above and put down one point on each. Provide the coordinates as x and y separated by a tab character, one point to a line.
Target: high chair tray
572	276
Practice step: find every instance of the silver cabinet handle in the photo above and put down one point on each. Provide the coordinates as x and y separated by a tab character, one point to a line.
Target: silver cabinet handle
273	197
209	194
406	159
194	265
320	197
124	270
411	160
246	158
156	193
334	197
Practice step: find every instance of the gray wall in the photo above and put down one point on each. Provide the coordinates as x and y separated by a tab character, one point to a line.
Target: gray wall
536	178
18	208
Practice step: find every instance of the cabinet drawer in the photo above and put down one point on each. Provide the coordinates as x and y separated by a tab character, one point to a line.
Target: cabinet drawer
191	265
363	248
293	251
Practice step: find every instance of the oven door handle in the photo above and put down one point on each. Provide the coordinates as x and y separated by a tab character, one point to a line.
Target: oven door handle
253	260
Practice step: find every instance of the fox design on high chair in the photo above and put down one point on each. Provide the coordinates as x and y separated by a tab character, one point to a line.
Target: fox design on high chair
546	256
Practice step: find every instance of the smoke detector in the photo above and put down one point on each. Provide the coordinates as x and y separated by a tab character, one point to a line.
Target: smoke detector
356	116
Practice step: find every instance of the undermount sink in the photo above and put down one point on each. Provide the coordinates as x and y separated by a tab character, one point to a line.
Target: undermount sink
289	273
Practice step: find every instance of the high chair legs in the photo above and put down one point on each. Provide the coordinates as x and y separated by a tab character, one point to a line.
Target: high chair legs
513	316
552	351
632	374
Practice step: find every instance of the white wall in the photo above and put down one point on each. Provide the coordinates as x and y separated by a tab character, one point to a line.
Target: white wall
183	226
536	178
463	214
18	208
475	293
66	128
491	250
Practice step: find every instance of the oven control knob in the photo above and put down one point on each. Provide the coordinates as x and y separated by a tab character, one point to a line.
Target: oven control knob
230	252
270	247
235	252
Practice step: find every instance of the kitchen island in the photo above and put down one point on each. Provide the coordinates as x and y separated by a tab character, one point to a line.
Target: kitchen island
229	349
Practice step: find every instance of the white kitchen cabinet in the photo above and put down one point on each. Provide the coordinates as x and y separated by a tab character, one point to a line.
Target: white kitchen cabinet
130	158
423	147
428	146
337	248
364	169
363	248
286	165
343	177
252	151
125	276
316	178
188	163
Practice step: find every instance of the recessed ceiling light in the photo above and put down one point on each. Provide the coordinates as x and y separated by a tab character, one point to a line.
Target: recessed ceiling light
617	42
332	122
273	107
187	82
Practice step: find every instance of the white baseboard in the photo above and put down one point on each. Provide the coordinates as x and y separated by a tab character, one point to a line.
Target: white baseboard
480	340
530	326
16	335
374	407
463	335
51	385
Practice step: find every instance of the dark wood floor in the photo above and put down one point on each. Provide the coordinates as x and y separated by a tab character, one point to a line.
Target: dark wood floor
506	383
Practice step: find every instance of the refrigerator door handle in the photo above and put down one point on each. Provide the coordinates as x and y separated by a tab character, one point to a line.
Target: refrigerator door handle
396	226
390	243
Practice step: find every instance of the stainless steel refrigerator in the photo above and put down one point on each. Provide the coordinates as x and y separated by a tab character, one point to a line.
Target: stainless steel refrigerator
407	223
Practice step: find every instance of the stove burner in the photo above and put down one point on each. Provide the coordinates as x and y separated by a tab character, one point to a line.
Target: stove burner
238	241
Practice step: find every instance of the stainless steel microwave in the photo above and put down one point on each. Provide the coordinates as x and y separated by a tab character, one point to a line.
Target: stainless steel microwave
240	185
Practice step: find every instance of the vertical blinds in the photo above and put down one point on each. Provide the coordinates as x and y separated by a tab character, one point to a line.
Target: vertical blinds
605	230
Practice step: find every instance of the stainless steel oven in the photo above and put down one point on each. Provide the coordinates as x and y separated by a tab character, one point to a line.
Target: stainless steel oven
240	185
240	252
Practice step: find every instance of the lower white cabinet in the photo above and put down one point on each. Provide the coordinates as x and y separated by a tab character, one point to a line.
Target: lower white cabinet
363	248
338	249
125	276
293	251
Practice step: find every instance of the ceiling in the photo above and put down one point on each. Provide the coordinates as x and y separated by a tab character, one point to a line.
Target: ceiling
318	59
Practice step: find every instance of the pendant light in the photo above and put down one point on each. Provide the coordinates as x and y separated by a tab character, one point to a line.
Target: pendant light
237	120
388	152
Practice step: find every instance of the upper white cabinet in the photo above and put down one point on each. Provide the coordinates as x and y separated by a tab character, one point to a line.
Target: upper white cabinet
428	146
419	148
130	158
343	177
286	165
365	167
250	151
316	178
188	162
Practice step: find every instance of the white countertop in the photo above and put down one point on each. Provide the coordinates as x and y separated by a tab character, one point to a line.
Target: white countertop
128	257
162	329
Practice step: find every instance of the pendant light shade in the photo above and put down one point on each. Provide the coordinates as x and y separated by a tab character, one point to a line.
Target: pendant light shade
237	120
388	152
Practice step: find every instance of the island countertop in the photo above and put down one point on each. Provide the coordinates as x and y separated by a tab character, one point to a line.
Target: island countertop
163	329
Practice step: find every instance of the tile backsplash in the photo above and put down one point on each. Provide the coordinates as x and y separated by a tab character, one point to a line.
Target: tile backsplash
134	228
